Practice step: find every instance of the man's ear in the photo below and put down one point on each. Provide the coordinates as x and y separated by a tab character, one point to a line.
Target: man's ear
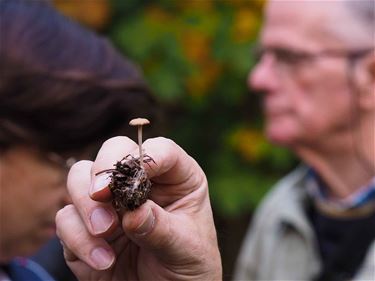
367	83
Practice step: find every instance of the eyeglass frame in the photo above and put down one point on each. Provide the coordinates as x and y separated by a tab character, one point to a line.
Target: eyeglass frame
351	55
286	56
65	163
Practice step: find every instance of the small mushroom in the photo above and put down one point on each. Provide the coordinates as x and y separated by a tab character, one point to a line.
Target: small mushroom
139	122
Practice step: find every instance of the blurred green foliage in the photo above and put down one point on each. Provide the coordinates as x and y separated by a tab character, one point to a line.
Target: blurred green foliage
196	56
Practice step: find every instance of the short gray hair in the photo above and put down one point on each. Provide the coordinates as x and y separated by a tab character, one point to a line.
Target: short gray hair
364	12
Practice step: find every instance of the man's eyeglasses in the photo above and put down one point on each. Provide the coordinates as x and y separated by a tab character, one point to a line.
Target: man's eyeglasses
65	163
292	58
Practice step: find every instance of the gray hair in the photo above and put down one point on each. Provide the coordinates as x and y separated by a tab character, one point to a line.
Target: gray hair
364	12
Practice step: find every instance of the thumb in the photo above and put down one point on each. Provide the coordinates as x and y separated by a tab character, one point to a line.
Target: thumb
154	229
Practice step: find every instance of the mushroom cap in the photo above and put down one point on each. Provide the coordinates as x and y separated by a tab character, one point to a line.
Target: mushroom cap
139	122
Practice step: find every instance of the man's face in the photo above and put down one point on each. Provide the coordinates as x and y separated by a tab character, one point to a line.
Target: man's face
308	102
32	191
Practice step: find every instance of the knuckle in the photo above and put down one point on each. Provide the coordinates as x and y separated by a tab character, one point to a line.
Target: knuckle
67	231
164	141
116	140
76	244
77	170
64	212
78	166
161	141
61	217
166	148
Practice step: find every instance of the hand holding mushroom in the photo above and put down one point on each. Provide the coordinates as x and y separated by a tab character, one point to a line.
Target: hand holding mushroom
170	237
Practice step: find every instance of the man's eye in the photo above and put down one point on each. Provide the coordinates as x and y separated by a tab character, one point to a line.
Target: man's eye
289	57
258	52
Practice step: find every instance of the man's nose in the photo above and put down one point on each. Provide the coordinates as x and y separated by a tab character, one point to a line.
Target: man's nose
263	77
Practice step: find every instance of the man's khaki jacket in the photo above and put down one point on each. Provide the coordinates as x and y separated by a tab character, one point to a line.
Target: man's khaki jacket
280	244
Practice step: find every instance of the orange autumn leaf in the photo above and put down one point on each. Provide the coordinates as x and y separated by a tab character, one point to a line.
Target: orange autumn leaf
196	45
249	143
95	14
245	25
200	83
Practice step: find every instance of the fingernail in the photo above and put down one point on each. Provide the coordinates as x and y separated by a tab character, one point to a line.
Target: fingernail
100	182
101	220
102	258
147	225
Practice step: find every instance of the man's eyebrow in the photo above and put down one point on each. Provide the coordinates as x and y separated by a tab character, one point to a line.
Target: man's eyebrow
289	49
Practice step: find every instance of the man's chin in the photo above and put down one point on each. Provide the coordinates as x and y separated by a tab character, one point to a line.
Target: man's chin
281	138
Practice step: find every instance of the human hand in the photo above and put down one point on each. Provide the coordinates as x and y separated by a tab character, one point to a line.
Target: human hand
170	237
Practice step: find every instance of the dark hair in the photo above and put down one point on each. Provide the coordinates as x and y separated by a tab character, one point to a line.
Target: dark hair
62	87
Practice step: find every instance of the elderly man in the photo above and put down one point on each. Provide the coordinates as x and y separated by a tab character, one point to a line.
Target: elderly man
317	73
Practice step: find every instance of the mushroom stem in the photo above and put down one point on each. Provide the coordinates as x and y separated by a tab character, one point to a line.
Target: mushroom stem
140	144
139	122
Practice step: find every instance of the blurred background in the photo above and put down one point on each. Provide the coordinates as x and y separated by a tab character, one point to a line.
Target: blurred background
195	56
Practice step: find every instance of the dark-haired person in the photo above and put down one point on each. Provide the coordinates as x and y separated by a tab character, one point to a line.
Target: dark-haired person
63	91
317	76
